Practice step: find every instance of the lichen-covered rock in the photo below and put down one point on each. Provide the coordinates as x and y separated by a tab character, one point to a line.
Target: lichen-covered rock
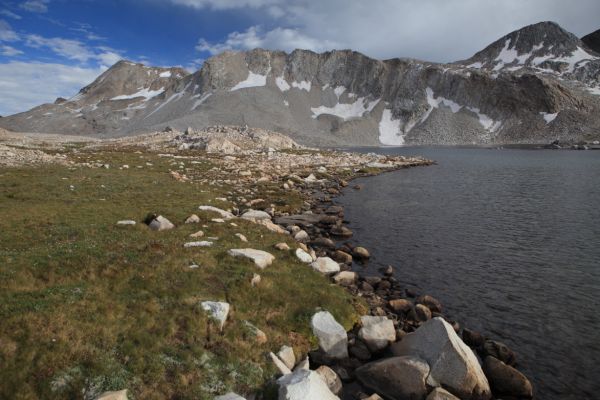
218	310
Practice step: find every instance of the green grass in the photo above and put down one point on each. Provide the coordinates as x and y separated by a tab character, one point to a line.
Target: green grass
87	306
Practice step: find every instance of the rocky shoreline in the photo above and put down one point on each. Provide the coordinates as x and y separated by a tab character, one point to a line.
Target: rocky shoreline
394	313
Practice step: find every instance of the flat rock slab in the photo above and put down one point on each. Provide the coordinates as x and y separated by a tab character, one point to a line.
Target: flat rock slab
326	265
224	214
202	243
126	222
261	258
256	215
300	219
333	339
116	395
230	396
453	364
218	310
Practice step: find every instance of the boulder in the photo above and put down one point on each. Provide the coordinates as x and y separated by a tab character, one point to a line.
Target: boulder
500	351
302	236
160	223
506	380
218	310
286	354
303	256
420	313
230	396
396	378
431	302
342	256
242	237
332	336
361	253
473	338
267	223
331	379
345	278
400	305
256	215
441	394
304	384
325	265
360	351
376	332
304	364
192	219
224	214
197	234
284	369
282	246
126	222
453	364
323	242
261	258
341	231
115	395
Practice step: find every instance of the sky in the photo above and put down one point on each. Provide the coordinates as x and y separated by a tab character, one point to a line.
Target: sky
52	48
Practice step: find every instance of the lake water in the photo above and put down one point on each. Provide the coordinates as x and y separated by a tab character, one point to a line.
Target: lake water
508	241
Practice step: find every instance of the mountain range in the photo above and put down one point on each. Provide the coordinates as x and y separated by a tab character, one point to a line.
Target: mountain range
534	85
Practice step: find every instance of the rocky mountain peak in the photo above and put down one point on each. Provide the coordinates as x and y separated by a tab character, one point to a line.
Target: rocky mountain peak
592	41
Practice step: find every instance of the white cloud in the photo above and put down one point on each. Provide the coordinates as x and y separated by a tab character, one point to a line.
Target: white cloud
7	34
9	51
24	85
286	39
36	6
68	48
432	30
10	14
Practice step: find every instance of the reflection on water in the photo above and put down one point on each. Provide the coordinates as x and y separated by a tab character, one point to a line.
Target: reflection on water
508	240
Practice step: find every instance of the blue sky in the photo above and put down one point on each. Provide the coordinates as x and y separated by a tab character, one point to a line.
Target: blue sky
51	48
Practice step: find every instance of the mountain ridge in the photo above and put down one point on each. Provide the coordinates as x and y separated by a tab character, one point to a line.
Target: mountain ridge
537	84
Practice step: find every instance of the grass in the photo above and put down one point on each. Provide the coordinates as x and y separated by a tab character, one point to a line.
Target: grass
87	306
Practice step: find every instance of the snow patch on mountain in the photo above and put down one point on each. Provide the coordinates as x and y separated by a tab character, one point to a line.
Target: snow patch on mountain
166	74
548	117
253	80
346	111
390	131
200	100
282	84
303	85
488	123
145	93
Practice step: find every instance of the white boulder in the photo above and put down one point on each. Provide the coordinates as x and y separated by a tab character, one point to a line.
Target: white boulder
325	265
230	396
256	215
376	332
453	364
126	222
160	223
284	369
304	384
261	258
333	339
286	354
303	256
218	310
224	214
345	278
202	243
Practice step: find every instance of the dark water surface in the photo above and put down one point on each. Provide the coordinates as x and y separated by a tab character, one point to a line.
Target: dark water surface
508	241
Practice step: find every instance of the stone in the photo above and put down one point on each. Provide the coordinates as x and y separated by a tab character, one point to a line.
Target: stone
302	236
332	336
441	394
218	310
114	395
472	338
323	242
453	364
255	281
267	223
377	332
224	214
304	364
284	369
160	223
256	215
506	380
342	257
360	350
126	222
304	385
261	258
325	265
197	234
431	302
345	278
282	246
202	243
500	351
341	231
374	396
401	305
361	253
421	313
192	219
242	237
230	396
286	354
303	256
372	280
396	378
257	334
331	379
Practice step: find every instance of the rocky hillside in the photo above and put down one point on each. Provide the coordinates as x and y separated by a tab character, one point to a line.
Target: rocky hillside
592	41
535	85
